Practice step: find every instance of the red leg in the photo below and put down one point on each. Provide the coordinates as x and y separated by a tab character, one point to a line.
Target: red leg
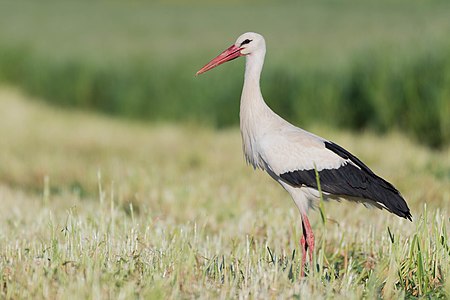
307	241
304	249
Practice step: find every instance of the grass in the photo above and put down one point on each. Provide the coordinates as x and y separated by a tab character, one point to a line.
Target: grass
385	63
94	207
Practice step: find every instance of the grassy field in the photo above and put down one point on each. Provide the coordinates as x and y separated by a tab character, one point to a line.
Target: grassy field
99	208
386	63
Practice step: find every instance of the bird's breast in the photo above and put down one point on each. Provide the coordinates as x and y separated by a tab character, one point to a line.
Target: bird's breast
249	146
251	137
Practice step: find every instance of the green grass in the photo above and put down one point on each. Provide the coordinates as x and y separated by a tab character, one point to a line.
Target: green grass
356	64
99	208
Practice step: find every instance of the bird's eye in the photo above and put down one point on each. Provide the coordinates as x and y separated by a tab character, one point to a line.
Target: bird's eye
247	41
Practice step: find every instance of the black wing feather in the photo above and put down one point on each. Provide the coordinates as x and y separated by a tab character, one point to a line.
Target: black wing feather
349	180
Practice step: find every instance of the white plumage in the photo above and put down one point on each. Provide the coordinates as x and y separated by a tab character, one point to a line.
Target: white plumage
291	155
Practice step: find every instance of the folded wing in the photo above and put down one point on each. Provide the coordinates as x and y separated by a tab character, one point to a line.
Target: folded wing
296	154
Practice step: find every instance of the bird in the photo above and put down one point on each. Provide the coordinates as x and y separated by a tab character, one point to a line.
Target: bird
293	156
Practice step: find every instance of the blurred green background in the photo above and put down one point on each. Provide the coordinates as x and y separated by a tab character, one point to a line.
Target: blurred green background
378	65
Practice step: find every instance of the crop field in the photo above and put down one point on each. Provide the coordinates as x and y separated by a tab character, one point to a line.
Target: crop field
94	207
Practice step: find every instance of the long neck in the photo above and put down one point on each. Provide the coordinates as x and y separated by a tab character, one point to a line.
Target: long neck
253	111
252	102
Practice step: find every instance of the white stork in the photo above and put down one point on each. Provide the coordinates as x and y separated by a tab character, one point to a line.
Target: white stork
291	155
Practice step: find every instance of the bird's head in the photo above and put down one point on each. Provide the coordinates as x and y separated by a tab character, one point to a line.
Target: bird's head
247	44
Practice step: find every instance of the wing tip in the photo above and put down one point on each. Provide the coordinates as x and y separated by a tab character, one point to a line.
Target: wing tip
399	207
408	216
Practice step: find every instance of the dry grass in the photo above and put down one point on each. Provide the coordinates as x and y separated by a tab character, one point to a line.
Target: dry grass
99	208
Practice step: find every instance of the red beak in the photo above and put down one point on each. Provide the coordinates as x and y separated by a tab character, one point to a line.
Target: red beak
231	53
